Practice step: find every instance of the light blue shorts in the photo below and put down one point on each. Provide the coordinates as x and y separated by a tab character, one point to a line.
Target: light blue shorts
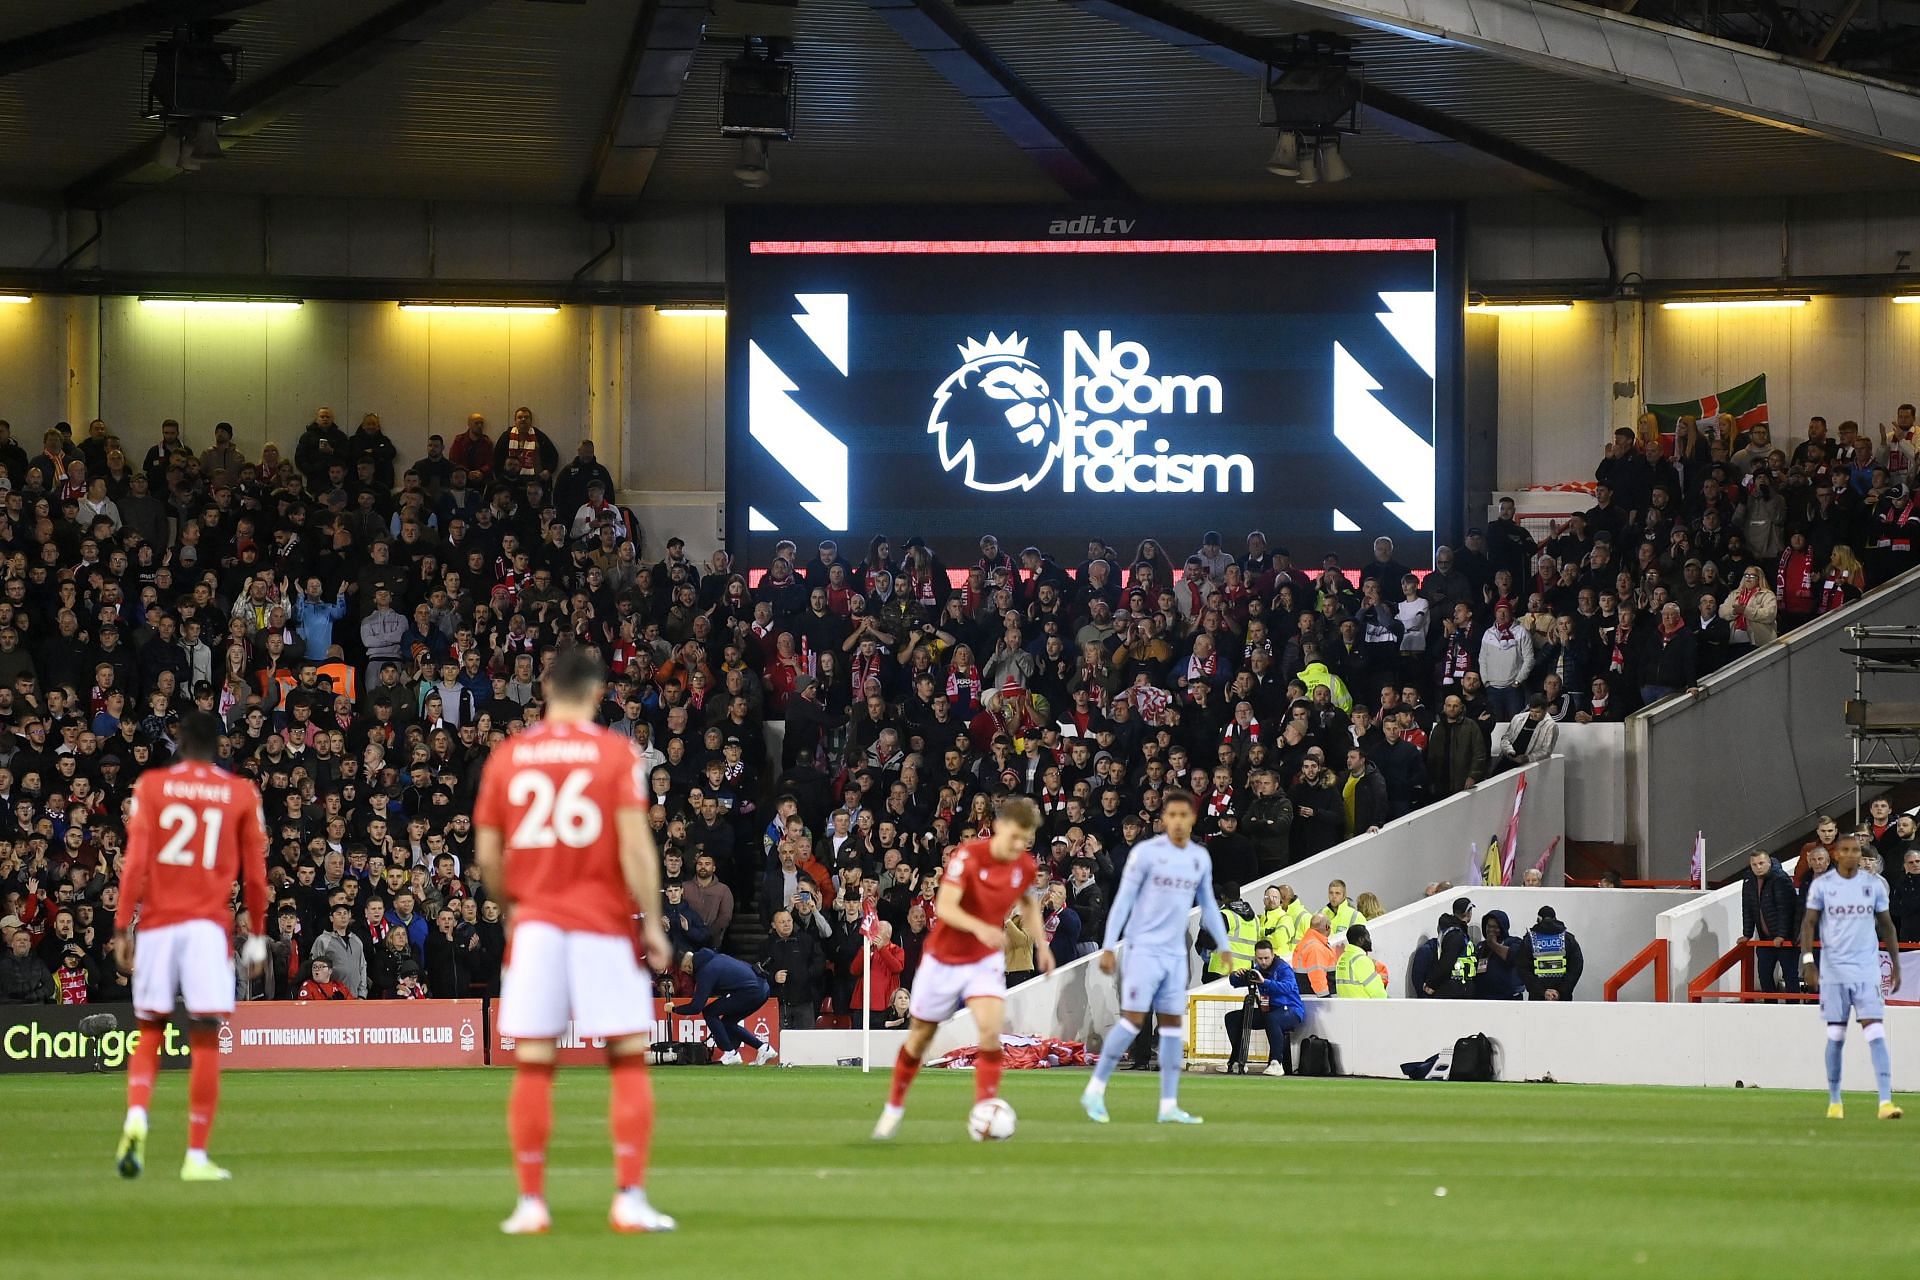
1156	983
1863	998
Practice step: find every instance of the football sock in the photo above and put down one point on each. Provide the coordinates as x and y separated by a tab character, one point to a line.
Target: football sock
630	1118
1118	1040
203	1085
529	1122
144	1064
1173	1053
1836	1045
905	1068
1882	1064
986	1074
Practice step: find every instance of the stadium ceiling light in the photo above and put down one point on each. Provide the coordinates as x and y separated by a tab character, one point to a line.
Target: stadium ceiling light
1285	160
696	310
1726	304
1505	308
20	299
223	304
487	308
1899	298
1333	167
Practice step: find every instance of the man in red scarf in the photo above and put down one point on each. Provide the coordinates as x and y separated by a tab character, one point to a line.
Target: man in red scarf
524	452
1794	583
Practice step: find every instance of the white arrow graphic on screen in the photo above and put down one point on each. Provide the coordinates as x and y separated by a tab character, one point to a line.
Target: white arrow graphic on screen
823	318
1386	446
811	454
1409	318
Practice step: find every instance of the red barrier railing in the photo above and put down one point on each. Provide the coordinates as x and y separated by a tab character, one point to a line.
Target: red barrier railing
1580	882
1654	953
1741	954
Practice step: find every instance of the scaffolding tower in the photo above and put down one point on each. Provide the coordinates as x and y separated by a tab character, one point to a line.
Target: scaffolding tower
1885	732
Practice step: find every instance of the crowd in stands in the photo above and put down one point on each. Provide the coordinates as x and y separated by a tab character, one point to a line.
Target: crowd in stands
819	730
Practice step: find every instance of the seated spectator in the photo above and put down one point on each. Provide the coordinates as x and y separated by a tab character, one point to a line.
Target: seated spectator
1526	739
321	984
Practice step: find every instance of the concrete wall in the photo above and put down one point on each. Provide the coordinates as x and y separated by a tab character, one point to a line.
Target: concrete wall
1611	925
1596	780
1699	932
1775	1046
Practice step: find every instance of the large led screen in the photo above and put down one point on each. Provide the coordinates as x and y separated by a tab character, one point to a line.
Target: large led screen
1046	376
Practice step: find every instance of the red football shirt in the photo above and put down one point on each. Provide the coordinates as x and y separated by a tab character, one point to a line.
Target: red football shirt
552	792
988	890
194	830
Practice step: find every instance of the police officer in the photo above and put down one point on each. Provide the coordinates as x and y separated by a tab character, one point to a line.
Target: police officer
1553	959
1452	974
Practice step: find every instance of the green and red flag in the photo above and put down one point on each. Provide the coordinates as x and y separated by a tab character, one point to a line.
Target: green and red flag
1746	402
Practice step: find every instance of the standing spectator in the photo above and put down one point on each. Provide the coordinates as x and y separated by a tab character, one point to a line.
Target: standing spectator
1553	961
1506	656
794	968
1904	894
1499	976
448	974
1456	750
710	898
726	991
24	977
1751	611
1020	961
869	1001
1088	902
1670	662
472	451
1768	914
1267	820
524	453
686	928
1795	582
1364	789
344	953
1063	925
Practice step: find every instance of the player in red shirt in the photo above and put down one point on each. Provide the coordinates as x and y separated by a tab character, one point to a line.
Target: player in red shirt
193	829
965	959
562	838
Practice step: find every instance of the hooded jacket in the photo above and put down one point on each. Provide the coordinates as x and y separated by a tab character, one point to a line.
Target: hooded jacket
715	976
1502	978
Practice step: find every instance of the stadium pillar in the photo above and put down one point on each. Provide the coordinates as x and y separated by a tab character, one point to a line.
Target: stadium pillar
607	387
1626	337
81	395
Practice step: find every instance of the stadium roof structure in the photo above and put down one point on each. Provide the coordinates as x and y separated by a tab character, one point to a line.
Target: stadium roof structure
614	104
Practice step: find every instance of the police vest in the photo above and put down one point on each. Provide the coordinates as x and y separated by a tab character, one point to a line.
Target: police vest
1242	936
1464	968
1549	953
1355	977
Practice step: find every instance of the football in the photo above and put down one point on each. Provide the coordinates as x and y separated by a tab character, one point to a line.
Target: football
990	1121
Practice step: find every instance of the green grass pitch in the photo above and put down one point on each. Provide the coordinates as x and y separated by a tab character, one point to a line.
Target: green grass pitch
405	1173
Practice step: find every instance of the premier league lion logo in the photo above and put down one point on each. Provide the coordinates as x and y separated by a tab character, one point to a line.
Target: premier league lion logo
997	415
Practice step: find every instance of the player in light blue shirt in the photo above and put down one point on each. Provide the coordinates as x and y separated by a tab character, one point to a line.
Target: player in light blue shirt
1166	877
1847	906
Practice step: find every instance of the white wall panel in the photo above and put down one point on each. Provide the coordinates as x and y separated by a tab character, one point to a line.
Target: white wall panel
677	403
32	368
142	374
306	367
1554	393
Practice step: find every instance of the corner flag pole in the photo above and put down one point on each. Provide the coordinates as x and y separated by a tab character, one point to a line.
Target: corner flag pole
869	924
